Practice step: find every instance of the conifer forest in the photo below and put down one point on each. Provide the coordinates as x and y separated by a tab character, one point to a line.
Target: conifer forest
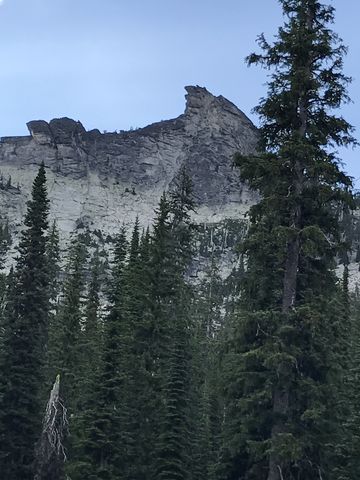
116	364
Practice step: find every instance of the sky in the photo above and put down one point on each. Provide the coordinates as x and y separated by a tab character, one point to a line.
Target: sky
117	64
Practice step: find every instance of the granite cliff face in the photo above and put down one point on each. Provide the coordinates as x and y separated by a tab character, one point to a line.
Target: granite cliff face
98	181
101	180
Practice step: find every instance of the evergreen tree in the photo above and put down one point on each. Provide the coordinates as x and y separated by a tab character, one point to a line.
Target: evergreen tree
136	382
65	345
65	350
344	453
351	396
87	359
92	334
170	256
141	406
104	455
182	204
25	339
134	244
53	259
206	404
282	368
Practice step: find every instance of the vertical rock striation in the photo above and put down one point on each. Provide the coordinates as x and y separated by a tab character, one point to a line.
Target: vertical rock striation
104	179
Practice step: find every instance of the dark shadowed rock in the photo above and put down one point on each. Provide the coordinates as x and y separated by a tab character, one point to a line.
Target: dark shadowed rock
65	130
40	132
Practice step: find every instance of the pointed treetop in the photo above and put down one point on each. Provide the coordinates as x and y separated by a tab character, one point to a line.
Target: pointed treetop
134	243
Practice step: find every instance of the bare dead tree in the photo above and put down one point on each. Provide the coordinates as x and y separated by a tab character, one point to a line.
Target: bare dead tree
50	451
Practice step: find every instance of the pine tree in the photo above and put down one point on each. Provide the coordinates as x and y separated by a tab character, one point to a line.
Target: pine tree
282	368
344	453
170	257
104	454
182	204
86	363
65	350
65	343
134	244
53	259
352	395
206	405
25	339
92	331
53	262
141	398
136	382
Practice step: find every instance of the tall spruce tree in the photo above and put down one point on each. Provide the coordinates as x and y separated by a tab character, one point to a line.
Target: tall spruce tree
171	255
283	363
25	339
136	386
53	261
92	331
344	454
352	395
104	449
206	403
65	348
87	361
53	258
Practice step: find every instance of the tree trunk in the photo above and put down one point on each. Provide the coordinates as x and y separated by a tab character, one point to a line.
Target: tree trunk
281	392
50	452
277	466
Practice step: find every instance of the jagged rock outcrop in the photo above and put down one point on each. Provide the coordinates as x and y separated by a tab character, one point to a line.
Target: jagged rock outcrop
105	179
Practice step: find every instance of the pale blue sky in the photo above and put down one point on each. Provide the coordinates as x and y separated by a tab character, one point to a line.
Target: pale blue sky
116	64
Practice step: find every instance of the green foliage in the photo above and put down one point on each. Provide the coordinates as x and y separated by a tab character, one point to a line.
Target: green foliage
284	353
92	328
24	341
103	448
65	352
53	260
350	398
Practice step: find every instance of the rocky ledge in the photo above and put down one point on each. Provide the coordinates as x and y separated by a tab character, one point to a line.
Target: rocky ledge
106	179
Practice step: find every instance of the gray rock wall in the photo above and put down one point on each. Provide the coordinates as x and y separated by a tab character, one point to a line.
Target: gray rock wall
106	179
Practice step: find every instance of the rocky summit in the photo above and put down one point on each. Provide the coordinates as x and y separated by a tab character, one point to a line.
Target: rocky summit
102	180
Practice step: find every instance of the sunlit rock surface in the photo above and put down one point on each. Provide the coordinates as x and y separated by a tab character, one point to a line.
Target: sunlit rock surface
105	179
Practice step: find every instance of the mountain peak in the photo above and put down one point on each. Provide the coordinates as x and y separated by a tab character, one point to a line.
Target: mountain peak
110	178
200	101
